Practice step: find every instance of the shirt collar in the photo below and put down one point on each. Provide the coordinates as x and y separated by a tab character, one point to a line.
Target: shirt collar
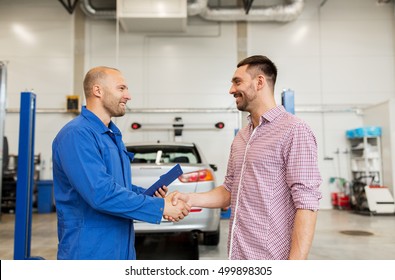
98	124
270	115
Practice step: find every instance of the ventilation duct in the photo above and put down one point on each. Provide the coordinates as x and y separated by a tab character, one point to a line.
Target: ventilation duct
94	13
153	15
279	13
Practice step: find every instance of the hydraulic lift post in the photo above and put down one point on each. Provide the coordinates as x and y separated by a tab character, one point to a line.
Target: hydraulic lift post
25	175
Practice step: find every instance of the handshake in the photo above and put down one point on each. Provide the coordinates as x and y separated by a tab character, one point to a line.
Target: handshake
177	205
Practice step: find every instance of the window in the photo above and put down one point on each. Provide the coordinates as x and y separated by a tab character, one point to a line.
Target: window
164	154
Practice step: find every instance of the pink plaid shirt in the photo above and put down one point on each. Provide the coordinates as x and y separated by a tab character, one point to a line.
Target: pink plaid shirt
272	172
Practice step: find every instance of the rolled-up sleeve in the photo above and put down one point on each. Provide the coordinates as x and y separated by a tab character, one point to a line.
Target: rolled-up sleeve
302	173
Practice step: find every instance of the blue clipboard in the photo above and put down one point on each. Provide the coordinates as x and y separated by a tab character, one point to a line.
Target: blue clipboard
165	180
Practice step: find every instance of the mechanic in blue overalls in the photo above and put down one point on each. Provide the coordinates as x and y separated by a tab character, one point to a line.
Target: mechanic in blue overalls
96	202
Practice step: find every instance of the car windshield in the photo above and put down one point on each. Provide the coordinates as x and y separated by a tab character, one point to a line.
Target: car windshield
164	154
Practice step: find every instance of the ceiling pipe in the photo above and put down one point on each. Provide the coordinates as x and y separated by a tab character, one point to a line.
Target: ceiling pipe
195	8
281	13
90	11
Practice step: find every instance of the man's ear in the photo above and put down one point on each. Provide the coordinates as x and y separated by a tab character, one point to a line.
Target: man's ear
96	91
261	81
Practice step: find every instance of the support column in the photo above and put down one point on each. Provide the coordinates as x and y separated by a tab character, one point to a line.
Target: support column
3	95
25	174
79	53
241	54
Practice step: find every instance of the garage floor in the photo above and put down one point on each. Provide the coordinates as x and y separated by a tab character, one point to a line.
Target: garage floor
340	235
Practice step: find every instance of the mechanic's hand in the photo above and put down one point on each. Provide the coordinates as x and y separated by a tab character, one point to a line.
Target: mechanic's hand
161	192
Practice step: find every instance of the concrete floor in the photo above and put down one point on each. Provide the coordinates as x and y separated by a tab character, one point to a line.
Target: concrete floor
329	243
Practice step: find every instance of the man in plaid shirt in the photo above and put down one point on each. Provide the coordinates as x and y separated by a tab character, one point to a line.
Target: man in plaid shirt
272	180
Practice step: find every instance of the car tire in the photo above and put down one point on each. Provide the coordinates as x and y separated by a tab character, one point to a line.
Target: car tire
211	238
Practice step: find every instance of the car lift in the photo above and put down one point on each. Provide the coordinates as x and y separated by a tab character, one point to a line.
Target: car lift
25	175
288	100
3	94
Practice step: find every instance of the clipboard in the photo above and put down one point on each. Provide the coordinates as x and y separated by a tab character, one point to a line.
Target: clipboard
165	179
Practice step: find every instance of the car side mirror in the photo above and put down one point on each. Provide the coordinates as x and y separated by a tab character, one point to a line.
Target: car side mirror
214	167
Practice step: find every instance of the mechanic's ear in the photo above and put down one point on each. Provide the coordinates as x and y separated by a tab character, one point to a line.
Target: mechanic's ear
96	91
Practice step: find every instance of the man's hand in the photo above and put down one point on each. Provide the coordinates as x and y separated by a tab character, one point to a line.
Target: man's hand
177	196
176	212
161	192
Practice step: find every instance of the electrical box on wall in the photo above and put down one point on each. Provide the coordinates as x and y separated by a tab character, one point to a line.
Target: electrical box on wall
73	103
153	15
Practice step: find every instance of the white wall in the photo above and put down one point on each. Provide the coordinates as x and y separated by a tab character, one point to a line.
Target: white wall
37	41
339	55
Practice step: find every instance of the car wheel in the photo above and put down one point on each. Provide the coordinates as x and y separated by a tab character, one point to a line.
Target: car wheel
211	238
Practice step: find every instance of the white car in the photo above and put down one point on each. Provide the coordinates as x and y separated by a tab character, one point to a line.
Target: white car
151	160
